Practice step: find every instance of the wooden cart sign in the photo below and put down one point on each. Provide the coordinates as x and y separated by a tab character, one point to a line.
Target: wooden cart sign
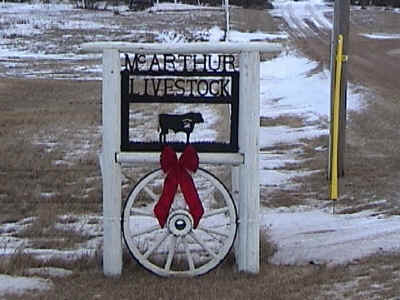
182	87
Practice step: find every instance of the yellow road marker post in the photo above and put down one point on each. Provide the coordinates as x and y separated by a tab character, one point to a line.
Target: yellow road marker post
334	189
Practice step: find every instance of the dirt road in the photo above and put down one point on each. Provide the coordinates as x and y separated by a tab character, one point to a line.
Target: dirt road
371	161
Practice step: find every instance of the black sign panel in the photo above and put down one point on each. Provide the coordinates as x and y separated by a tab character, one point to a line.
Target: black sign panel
166	99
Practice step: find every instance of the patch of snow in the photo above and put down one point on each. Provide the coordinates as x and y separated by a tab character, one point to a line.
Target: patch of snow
170	37
300	14
88	225
381	36
177	6
323	238
281	178
13	285
236	36
273	160
47	194
216	34
67	255
18	8
290	85
270	136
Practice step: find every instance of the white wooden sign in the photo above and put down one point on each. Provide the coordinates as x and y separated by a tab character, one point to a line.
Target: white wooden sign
245	163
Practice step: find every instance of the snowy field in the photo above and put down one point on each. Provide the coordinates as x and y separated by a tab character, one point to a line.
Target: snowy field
302	234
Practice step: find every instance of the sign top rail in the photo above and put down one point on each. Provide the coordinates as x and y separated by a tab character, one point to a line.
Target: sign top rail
174	48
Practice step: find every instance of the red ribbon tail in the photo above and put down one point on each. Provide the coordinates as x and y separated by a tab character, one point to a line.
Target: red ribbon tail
192	198
177	174
161	209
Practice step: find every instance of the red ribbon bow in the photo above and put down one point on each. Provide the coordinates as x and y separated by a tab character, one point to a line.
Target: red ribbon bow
177	174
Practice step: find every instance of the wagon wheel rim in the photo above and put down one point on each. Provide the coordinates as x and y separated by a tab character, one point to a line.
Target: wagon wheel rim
178	249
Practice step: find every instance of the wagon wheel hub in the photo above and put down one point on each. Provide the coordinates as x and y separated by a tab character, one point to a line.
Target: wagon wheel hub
180	222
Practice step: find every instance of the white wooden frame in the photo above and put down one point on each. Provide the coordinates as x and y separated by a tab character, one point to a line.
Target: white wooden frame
245	164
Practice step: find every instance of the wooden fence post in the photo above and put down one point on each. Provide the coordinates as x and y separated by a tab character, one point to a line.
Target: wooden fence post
112	247
249	191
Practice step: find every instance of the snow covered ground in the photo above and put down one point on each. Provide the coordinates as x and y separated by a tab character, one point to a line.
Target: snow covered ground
317	236
382	36
21	285
290	86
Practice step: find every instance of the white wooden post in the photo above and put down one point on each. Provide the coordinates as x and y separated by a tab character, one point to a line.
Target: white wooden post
112	247
249	187
235	195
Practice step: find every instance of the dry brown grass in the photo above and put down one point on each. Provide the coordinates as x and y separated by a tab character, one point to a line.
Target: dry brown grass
284	120
31	184
372	277
17	263
34	116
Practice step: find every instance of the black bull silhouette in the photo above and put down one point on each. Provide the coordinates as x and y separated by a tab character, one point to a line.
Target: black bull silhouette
178	123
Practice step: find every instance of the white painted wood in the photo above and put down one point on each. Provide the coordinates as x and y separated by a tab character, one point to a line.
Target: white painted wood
174	48
249	187
235	183
205	158
245	173
235	195
111	107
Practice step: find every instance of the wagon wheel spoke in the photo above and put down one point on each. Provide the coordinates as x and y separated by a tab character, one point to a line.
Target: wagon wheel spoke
160	250
188	254
212	231
156	245
148	230
141	212
152	195
215	212
202	244
171	252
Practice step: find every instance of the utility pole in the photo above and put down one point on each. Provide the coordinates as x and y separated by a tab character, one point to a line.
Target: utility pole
227	19
340	27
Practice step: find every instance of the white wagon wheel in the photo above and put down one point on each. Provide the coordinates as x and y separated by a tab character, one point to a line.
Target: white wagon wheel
178	248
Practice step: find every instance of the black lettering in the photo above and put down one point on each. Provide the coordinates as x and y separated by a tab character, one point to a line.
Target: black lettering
156	88
155	62
185	57
132	86
199	62
180	86
214	91
210	63
168	86
225	88
169	60
145	87
191	81
202	92
137	60
229	60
